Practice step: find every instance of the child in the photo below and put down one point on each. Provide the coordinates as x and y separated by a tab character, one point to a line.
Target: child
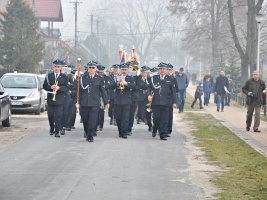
198	94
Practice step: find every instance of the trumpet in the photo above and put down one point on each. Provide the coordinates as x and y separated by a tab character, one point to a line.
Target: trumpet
121	85
54	92
149	105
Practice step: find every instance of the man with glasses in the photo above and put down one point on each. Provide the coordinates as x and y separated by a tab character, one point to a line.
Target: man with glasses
91	90
56	85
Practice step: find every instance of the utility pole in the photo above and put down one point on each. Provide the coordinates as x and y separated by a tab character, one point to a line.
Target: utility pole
76	19
92	24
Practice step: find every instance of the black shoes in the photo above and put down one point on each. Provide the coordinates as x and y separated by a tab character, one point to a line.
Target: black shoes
154	134
149	128
57	135
90	139
51	132
257	131
73	127
163	138
124	136
247	129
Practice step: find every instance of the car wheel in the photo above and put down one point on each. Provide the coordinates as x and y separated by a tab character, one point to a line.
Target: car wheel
43	109
38	111
7	122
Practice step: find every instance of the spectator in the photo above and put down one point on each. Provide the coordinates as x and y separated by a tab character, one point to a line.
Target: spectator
207	88
198	96
220	89
255	90
182	82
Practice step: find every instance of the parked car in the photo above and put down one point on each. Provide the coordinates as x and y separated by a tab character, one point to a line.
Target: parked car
42	79
5	108
25	91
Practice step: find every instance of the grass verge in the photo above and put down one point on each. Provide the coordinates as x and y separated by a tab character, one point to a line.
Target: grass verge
245	174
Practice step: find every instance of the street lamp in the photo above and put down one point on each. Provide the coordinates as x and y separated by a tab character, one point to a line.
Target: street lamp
259	18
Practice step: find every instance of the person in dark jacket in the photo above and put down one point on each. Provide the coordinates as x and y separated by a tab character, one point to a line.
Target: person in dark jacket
91	91
142	85
115	70
220	89
198	96
255	90
207	88
123	100
164	96
56	85
182	82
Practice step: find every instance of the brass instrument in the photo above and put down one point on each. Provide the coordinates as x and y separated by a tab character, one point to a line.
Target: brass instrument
54	93
149	105
79	60
121	84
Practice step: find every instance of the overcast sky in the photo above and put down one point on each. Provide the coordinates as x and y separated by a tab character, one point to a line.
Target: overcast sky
68	26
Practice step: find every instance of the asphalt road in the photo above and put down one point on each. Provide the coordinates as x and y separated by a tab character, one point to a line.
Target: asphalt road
41	167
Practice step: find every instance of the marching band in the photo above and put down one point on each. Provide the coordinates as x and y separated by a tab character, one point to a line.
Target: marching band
127	91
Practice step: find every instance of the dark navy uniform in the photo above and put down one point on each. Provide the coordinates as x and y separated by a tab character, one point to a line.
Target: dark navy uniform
111	93
91	90
122	103
171	107
142	84
134	94
55	108
164	96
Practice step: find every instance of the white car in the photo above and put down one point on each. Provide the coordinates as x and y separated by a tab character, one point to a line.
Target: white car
25	91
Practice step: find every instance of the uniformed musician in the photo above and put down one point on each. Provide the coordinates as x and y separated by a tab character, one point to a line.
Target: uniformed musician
163	97
56	85
91	90
142	84
134	93
123	100
115	70
107	82
170	121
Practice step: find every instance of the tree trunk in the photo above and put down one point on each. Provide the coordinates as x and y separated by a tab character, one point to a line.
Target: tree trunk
244	67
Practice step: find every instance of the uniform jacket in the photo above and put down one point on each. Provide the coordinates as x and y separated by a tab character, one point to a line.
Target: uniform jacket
164	90
124	97
61	93
111	91
91	90
256	87
142	88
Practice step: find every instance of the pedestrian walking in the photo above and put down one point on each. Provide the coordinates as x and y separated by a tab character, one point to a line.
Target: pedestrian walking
220	89
255	90
198	96
182	82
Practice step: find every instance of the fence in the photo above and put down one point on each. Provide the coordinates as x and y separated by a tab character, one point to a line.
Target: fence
241	100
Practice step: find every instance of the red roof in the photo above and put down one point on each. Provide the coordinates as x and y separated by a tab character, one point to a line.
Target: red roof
47	10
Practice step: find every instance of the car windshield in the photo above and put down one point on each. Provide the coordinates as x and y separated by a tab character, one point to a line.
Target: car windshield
41	78
18	81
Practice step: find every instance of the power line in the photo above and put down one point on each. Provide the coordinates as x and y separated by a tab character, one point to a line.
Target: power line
144	33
